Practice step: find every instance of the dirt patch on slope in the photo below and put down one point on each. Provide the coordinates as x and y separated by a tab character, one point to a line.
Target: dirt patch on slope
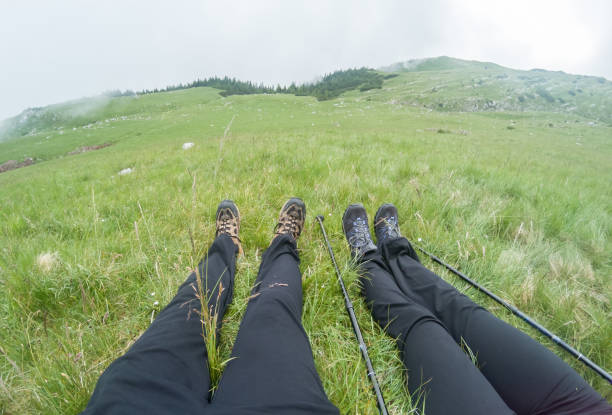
85	149
13	164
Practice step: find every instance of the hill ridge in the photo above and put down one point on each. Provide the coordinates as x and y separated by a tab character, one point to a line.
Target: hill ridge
453	85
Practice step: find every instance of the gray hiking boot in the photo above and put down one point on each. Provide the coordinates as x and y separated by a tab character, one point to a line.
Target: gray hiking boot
355	226
386	225
291	218
228	222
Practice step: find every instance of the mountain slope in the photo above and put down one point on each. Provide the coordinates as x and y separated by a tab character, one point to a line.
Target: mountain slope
447	84
440	84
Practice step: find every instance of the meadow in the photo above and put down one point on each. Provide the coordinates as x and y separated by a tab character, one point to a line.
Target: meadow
519	200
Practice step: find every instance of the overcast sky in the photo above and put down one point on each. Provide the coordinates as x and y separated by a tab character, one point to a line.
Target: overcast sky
52	51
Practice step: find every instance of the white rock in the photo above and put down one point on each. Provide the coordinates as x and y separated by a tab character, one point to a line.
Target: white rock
187	146
47	261
126	171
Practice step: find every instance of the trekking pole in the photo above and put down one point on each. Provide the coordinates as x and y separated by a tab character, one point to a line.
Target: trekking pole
349	308
556	339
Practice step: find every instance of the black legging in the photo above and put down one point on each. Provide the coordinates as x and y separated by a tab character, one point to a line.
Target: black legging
431	319
165	371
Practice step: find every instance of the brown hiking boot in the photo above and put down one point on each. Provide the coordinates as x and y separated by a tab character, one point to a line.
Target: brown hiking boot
291	218
228	222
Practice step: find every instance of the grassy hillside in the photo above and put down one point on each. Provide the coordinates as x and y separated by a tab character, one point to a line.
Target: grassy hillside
447	84
519	199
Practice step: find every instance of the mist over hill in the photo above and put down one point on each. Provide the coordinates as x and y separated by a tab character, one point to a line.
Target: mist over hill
439	84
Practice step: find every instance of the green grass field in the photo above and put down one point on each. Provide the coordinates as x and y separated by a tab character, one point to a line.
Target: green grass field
519	200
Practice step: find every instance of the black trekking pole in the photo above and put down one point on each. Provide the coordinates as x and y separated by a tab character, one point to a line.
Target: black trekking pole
349	308
582	358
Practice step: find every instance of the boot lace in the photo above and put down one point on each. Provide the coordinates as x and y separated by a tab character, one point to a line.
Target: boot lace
288	224
226	224
358	236
389	228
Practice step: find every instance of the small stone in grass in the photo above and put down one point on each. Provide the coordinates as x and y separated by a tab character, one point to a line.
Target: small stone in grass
47	261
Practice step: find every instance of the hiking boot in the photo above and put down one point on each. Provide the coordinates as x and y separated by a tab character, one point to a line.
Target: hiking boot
291	218
355	226
228	222
386	226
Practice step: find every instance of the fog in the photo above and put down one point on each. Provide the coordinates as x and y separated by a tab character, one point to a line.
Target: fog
66	49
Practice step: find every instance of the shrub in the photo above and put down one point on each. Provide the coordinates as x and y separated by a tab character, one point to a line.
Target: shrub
545	94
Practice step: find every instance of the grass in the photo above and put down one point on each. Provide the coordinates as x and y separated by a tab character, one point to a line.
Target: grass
88	257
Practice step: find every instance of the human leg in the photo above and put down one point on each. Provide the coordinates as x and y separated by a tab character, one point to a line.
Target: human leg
165	371
273	370
440	376
530	378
